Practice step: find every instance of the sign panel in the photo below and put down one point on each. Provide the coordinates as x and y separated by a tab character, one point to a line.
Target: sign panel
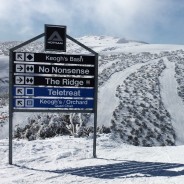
35	80
53	92
54	58
32	103
53	81
54	69
55	38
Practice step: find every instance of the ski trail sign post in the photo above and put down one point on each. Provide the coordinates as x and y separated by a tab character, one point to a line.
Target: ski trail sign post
47	82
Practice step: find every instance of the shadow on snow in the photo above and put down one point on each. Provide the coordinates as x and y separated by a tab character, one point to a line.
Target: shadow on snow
127	169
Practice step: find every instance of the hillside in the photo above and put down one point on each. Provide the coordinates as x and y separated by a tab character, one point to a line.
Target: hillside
133	89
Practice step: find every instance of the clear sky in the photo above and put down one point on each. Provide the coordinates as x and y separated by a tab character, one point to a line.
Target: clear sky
152	21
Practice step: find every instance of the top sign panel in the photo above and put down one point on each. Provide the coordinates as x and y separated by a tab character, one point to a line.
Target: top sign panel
54	58
55	38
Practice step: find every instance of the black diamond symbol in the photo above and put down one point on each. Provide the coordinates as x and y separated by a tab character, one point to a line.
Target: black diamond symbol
29	57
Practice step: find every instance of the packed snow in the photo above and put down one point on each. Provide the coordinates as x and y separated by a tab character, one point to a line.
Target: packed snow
143	80
107	91
67	160
172	101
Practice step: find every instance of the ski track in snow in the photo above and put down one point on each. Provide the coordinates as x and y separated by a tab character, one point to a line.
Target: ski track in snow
107	99
67	160
173	103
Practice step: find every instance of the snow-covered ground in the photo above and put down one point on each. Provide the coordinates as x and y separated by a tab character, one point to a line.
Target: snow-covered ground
4	73
153	48
4	66
67	160
108	91
172	101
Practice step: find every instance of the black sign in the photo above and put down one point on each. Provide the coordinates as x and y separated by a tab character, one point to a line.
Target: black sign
53	69
53	81
54	58
55	38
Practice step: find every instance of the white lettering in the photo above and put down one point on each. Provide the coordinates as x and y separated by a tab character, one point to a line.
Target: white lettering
62	70
76	102
76	59
43	69
57	92
54	42
72	82
52	81
56	58
49	101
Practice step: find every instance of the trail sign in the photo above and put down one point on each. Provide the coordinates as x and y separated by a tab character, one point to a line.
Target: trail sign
54	69
81	59
55	103
53	81
32	91
55	38
47	82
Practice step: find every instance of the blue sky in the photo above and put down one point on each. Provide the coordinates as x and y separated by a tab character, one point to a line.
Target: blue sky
152	21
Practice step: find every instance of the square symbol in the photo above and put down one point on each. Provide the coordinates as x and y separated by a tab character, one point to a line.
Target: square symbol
29	103
29	91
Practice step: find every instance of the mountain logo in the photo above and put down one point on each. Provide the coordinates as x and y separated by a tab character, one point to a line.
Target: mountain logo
55	38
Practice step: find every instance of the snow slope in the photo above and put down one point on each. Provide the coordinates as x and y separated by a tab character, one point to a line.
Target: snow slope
66	159
4	73
108	91
172	101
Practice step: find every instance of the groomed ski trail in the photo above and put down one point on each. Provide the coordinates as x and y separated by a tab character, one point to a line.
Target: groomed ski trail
107	99
172	102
